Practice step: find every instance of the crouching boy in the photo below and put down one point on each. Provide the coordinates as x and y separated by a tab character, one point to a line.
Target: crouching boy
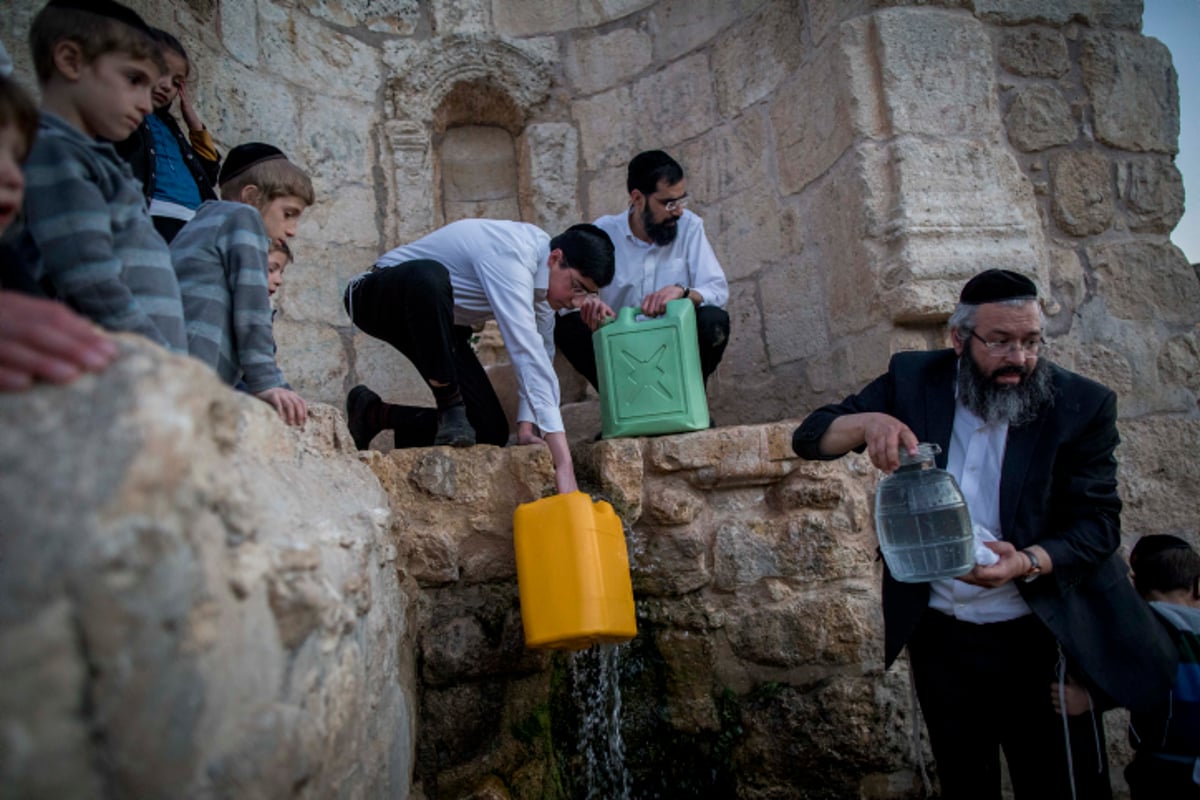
221	259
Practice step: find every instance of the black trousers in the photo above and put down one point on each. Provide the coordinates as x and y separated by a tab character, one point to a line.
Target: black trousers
574	339
987	687
168	227
411	307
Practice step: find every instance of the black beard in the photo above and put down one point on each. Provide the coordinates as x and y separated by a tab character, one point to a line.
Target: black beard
998	403
661	233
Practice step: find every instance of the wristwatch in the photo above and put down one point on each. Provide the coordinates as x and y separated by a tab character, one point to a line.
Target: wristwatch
686	291
1035	566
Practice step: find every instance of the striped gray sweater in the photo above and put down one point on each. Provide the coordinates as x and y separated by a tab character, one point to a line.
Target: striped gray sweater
221	259
87	232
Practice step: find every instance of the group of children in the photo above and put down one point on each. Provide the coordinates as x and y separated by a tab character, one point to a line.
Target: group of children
109	209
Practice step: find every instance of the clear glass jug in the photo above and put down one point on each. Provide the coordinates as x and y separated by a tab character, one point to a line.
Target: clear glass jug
922	521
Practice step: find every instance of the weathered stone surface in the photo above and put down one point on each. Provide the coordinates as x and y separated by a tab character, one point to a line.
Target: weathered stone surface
452	17
1083	191
790	332
1135	276
671	561
1134	91
382	16
936	72
313	360
1158	469
1040	118
1034	51
1054	12
239	30
725	161
302	51
617	466
479	173
1153	193
549	193
756	56
233	98
600	61
1179	361
684	26
206	553
812	128
527	17
725	457
794	629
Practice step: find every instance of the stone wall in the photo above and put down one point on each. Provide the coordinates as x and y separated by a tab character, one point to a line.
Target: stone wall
853	161
195	601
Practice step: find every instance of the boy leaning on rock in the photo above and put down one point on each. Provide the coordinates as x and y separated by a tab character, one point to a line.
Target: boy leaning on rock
85	233
221	259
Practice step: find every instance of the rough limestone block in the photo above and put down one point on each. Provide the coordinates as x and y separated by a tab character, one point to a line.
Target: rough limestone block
618	468
801	629
813	127
671	561
727	159
304	52
937	73
409	166
757	54
1134	91
685	26
1083	191
606	192
1040	118
609	128
1158	473
1035	52
314	285
206	548
791	329
745	362
1140	280
548	187
335	144
525	17
1052	12
722	457
1179	361
388	372
688	109
239	30
1153	193
242	104
452	17
381	16
313	360
595	62
746	232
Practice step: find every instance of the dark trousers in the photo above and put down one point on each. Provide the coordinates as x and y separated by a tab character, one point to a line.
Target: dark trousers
1153	778
168	227
574	339
987	687
411	307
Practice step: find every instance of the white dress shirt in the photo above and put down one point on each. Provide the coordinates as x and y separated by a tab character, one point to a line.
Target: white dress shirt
643	268
498	271
975	460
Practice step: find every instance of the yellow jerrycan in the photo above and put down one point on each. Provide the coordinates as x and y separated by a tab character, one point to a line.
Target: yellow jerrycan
572	573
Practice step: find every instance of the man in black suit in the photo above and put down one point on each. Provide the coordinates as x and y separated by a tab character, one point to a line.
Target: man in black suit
1031	445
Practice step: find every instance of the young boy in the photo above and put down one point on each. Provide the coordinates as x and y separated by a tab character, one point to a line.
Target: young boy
1166	572
277	260
85	229
40	340
221	259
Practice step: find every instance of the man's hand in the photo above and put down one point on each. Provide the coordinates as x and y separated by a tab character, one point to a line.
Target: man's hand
526	434
1012	564
593	311
43	340
291	406
655	303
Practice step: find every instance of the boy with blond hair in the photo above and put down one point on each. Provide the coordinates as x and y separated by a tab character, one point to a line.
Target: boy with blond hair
221	259
85	232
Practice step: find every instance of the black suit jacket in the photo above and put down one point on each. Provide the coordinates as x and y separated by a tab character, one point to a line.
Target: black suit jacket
1058	489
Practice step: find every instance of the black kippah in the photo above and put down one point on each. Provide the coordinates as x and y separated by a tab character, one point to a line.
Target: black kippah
245	156
104	8
994	285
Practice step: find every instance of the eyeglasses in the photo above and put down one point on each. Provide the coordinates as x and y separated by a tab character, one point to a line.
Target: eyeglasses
676	204
1029	347
578	289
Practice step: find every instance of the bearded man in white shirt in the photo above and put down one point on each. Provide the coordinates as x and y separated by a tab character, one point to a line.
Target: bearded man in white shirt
425	298
662	254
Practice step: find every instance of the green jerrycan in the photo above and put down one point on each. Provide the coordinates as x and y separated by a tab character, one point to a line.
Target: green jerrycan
649	373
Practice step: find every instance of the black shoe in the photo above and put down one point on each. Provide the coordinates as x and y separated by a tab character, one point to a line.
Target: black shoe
453	428
362	416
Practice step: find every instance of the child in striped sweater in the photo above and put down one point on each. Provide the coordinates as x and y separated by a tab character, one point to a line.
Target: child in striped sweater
221	259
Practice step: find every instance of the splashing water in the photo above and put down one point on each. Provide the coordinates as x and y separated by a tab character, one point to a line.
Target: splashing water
596	693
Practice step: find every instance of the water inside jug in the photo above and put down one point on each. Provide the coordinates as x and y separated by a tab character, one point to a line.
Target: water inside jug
922	520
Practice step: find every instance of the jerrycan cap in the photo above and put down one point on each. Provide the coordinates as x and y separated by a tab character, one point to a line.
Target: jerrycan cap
926	454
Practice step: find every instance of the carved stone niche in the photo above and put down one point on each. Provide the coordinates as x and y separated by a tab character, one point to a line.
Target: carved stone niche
460	107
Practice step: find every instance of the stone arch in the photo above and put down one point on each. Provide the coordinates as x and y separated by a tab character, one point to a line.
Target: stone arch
460	94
